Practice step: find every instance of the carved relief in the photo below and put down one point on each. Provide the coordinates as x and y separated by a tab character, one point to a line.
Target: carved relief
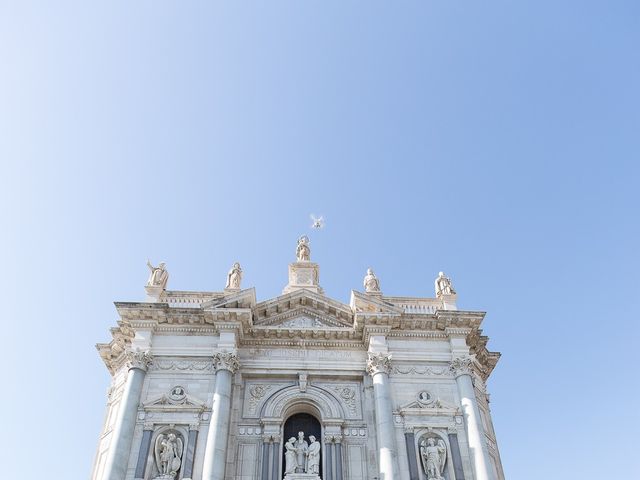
256	394
407	370
168	455
198	365
302	322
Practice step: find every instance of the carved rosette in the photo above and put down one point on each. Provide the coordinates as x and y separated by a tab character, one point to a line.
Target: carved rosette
379	363
138	359
226	361
461	366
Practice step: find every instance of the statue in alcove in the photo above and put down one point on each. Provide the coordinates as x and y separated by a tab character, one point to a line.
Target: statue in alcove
301	449
433	458
313	456
168	455
290	456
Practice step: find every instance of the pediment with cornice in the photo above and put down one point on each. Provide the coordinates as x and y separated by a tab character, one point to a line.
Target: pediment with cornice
175	403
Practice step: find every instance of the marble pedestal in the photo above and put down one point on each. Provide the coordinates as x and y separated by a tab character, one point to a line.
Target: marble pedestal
302	476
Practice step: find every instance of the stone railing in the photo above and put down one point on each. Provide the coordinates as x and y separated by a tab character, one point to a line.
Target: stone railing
427	306
180	299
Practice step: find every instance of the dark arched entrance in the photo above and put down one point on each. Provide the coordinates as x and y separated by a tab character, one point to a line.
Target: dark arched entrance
302	422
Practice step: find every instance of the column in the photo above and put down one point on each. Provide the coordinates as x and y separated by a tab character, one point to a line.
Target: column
122	434
215	454
190	453
338	461
462	368
328	461
379	366
455	456
265	457
143	453
275	455
410	441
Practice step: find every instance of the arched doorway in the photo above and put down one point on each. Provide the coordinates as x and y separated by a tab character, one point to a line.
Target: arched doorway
302	422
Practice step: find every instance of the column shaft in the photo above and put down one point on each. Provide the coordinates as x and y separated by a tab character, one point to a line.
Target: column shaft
276	461
190	454
143	454
265	461
338	461
215	455
328	462
473	425
122	434
387	456
455	456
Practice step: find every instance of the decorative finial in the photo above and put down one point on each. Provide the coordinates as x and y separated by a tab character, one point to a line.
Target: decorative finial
234	277
303	252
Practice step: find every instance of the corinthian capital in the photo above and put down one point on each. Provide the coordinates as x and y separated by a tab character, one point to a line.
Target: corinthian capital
378	363
226	361
461	366
138	359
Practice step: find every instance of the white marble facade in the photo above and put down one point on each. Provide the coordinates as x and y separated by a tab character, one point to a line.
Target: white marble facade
204	384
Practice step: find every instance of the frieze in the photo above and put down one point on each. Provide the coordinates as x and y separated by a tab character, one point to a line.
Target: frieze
177	364
427	371
300	353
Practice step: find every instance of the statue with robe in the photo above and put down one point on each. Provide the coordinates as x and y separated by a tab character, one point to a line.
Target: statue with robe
290	456
313	456
234	277
433	458
303	252
371	282
443	285
301	450
158	276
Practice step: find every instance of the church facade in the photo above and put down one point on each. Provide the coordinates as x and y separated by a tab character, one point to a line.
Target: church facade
220	386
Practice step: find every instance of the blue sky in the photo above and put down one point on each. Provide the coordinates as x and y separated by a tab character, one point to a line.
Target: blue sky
497	141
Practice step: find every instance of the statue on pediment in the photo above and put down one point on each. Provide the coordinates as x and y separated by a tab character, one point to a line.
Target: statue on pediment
433	458
443	285
234	277
303	252
371	283
159	275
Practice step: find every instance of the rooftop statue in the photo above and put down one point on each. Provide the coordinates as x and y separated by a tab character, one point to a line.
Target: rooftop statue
371	282
234	277
443	285
158	276
303	252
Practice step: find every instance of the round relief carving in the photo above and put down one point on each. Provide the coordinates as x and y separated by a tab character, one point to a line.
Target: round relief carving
178	393
425	398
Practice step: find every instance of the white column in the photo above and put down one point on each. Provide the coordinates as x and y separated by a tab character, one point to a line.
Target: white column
379	366
461	367
215	454
122	434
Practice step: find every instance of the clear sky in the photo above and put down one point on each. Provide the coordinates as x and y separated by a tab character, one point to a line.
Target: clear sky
495	140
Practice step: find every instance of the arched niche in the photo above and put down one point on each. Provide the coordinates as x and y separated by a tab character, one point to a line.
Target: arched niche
301	421
181	433
313	400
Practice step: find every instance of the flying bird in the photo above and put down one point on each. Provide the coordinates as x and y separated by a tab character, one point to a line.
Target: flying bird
318	223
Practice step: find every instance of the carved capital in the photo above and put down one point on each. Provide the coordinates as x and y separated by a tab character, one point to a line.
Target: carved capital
461	366
379	363
226	361
138	359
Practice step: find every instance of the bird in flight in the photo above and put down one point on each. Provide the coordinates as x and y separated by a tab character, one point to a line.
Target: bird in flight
318	223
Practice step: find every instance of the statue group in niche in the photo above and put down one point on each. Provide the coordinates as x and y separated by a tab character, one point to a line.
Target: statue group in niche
434	457
168	454
300	456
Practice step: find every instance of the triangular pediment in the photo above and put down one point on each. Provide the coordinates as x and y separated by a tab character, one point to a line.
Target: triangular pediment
302	309
233	299
170	402
374	304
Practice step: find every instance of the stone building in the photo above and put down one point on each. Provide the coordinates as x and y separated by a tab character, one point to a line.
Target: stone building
220	386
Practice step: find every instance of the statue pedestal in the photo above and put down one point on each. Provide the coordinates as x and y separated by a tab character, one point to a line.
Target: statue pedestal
302	476
303	275
449	301
153	294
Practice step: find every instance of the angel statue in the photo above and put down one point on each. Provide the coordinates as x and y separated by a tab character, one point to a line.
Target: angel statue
433	458
303	252
168	452
234	277
158	276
